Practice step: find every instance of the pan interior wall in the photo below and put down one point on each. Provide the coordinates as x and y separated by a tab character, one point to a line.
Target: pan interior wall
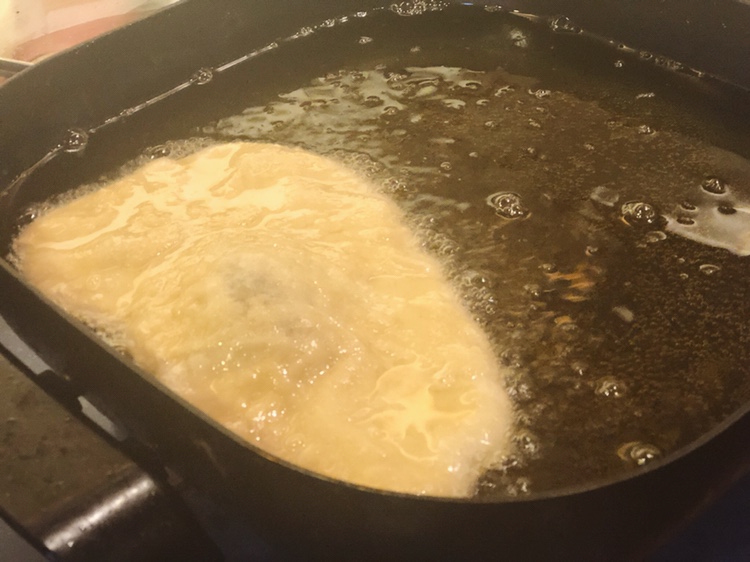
590	203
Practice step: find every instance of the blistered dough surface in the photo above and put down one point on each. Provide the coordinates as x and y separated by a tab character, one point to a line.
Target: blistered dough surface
280	293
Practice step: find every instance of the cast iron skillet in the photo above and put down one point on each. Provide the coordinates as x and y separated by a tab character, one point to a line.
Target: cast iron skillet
305	515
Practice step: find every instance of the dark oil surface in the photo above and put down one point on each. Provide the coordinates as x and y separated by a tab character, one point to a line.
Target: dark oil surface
548	170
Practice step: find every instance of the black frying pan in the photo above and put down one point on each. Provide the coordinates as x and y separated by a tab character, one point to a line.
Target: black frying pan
307	515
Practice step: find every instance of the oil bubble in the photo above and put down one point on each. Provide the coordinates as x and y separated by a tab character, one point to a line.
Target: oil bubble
446	166
508	205
158	151
415	8
645	130
404	9
395	81
714	185
486	485
510	358
365	40
527	442
503	90
688	206
473	278
685	221
28	216
448	248
655	236
564	24
75	141
605	196
394	185
610	388
372	101
726	209
613	124
470	84
203	76
518	38
540	94
357	76
666	62
520	487
619	63
396	78
534	290
303	32
638	453
637	213
579	368
709	269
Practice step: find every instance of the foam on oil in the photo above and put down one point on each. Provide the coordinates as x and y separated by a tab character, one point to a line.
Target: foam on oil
279	293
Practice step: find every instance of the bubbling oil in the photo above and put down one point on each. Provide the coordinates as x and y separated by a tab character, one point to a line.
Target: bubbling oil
589	203
550	191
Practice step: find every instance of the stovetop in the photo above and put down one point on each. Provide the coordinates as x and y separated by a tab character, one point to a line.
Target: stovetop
70	488
67	486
